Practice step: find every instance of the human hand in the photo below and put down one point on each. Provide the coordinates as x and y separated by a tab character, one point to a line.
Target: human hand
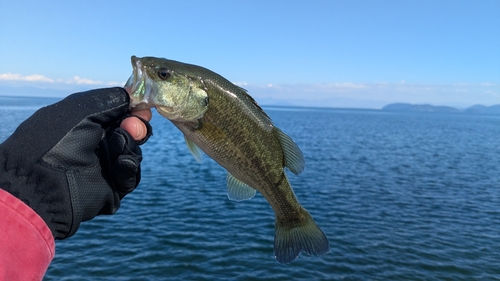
135	126
73	160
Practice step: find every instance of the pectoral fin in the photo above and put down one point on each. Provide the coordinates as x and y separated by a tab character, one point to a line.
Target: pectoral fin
294	159
195	150
238	190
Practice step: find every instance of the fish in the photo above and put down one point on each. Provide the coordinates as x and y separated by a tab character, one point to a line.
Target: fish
223	121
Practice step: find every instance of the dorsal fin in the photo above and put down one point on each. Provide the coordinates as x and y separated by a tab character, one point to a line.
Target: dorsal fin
254	103
294	159
242	96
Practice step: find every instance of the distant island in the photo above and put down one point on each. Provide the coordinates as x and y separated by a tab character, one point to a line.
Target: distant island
481	109
475	109
406	107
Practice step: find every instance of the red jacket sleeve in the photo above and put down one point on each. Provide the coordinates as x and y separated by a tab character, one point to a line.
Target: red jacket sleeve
26	243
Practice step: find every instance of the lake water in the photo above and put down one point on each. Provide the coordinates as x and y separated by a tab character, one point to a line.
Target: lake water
400	197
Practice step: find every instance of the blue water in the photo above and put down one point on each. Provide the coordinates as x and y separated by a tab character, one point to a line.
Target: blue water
400	197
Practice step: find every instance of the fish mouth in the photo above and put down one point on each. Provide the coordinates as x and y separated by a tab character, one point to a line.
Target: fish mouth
141	88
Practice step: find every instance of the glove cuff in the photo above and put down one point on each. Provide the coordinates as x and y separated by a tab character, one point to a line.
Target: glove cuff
37	191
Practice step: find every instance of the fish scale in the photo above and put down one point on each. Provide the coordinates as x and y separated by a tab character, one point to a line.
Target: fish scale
226	123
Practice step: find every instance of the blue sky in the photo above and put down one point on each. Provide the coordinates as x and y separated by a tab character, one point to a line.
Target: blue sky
333	53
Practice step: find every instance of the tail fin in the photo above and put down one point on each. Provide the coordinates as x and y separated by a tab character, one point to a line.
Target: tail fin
290	241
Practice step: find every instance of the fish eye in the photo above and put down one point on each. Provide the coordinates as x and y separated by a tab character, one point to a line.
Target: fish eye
163	73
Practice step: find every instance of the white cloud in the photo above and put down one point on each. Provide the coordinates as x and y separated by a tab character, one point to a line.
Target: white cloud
337	94
83	81
37	78
29	78
115	83
241	84
376	95
348	85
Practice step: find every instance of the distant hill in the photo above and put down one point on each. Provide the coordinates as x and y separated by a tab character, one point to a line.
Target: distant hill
475	109
406	107
481	109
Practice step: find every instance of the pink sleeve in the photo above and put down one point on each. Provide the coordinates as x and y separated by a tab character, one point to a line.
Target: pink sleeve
26	243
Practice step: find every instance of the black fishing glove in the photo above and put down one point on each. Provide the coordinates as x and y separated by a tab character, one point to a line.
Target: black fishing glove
71	161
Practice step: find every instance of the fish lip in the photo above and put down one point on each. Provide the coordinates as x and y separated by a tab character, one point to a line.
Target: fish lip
141	86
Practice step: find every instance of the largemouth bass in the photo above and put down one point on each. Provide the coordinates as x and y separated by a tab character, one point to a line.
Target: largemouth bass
227	124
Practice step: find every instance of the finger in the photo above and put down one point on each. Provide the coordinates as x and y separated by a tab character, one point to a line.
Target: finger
103	106
124	156
143	113
81	117
135	127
